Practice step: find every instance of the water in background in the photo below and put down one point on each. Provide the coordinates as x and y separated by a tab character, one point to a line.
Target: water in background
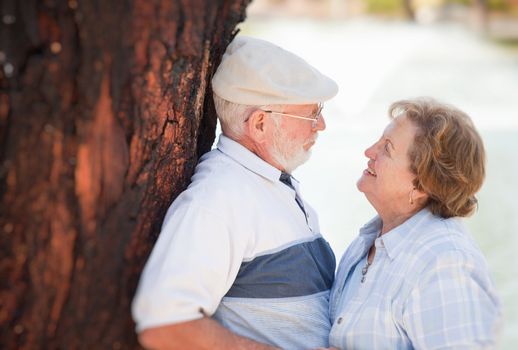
376	63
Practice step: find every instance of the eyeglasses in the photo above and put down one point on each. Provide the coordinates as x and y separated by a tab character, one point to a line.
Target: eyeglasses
314	118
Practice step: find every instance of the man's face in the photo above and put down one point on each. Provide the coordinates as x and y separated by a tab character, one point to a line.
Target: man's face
293	138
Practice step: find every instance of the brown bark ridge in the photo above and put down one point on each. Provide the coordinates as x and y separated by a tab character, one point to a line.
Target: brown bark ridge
103	115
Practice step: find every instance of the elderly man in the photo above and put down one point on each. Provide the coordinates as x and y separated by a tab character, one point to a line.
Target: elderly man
240	262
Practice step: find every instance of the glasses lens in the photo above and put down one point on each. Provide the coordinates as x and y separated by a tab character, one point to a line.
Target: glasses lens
316	115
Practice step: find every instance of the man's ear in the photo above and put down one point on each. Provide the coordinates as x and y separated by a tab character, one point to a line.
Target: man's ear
257	125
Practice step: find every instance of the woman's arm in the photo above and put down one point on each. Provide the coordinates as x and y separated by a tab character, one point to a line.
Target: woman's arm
454	305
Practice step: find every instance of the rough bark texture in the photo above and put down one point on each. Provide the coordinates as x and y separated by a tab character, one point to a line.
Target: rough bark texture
103	115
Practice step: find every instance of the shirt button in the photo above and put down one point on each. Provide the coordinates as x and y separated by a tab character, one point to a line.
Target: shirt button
339	320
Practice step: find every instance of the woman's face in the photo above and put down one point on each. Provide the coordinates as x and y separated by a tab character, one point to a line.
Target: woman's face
387	181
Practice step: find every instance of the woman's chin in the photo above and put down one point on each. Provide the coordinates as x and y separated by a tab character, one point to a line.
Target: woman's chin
360	184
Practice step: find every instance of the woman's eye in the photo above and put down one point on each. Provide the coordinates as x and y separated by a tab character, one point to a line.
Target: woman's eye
387	147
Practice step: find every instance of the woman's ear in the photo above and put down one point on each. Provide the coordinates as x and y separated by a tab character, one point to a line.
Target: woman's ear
419	196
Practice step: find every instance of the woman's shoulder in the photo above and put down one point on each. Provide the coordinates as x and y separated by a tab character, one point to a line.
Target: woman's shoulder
438	241
436	235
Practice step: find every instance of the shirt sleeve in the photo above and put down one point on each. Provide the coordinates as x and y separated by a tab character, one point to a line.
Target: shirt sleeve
453	306
190	269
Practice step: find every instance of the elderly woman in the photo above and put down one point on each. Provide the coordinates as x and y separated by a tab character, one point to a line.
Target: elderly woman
414	278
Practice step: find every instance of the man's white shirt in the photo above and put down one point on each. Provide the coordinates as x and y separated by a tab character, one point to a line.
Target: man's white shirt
236	246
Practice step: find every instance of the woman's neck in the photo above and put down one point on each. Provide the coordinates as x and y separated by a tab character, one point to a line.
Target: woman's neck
392	220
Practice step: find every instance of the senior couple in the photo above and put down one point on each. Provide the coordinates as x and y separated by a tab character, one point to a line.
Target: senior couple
241	263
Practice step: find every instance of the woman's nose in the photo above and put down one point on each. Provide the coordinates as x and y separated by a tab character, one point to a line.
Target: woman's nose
370	152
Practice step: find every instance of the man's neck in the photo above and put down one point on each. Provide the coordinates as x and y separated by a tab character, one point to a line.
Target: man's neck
258	149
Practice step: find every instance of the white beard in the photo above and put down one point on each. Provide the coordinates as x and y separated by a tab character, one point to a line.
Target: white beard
288	153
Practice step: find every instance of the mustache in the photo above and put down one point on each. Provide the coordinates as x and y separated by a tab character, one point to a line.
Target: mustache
313	138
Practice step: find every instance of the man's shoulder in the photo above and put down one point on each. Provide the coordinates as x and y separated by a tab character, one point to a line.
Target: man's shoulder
216	170
217	179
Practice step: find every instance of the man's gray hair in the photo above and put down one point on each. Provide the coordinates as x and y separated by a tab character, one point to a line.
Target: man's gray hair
233	116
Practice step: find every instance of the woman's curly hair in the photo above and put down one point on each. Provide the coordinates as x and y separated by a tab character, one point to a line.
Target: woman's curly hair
447	155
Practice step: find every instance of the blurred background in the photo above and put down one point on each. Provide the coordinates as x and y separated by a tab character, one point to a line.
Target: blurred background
464	52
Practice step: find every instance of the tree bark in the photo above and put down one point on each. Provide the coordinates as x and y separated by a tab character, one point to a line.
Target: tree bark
481	8
105	109
408	9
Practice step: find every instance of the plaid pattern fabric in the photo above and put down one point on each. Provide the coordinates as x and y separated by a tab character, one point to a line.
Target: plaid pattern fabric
428	288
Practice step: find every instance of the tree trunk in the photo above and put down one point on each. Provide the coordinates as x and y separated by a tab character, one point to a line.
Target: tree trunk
408	9
105	109
481	9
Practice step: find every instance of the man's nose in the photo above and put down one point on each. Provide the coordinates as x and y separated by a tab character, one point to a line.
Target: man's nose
321	124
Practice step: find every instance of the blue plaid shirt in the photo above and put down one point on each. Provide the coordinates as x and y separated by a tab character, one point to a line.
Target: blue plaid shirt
428	288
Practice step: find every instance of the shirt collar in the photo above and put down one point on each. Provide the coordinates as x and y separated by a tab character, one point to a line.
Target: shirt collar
246	158
369	232
395	240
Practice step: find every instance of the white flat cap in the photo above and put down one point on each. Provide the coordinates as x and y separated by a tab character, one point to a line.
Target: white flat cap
256	72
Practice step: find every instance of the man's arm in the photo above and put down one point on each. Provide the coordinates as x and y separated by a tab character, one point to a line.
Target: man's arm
204	333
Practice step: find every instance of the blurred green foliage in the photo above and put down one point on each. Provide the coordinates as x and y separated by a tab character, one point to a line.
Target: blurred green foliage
496	5
396	6
460	2
384	6
499	5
